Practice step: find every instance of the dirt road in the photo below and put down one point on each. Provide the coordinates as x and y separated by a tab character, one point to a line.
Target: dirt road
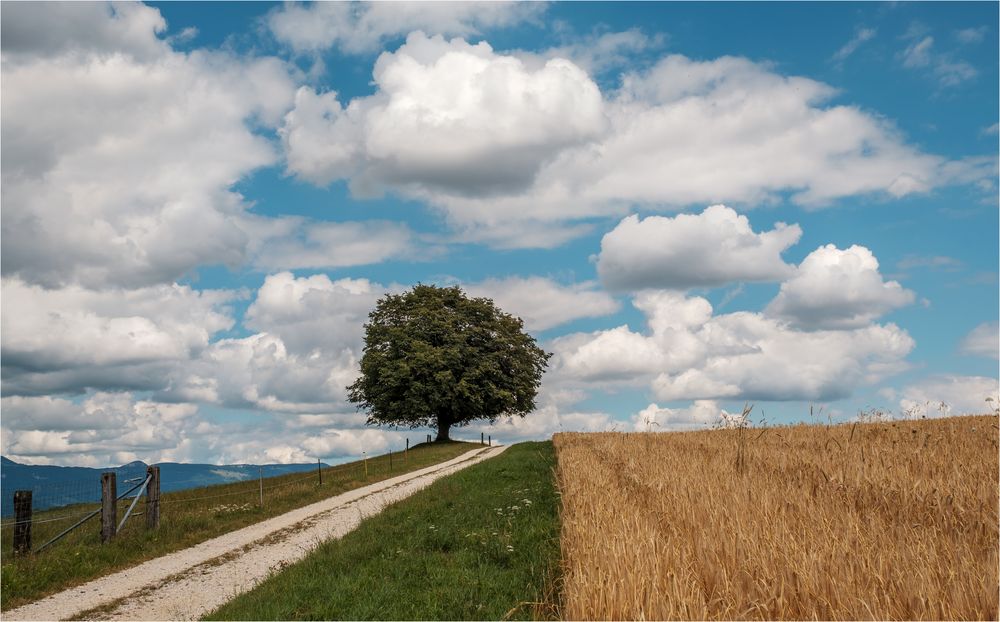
188	584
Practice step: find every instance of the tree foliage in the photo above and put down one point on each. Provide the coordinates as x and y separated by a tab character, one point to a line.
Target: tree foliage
435	357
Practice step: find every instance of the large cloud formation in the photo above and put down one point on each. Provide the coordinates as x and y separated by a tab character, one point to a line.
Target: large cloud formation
680	133
691	354
106	428
302	357
122	153
73	338
448	116
122	157
816	340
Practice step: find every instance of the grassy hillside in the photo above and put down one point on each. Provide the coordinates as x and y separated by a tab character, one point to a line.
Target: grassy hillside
481	544
187	518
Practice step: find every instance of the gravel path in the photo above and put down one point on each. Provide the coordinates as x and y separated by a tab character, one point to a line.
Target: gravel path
188	584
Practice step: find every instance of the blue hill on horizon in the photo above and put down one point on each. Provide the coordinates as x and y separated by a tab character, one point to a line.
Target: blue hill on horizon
56	486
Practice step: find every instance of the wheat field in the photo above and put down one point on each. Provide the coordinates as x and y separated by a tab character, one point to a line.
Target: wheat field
894	520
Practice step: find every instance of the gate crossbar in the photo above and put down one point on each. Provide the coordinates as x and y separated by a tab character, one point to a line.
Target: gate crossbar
134	501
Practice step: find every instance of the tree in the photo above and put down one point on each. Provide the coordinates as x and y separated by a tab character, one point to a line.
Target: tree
435	357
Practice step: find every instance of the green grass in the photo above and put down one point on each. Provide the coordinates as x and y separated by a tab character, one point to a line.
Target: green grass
186	518
457	550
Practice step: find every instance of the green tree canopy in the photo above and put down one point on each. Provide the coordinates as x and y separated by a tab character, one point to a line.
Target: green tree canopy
435	357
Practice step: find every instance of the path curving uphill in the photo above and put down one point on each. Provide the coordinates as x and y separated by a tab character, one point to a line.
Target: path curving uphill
187	584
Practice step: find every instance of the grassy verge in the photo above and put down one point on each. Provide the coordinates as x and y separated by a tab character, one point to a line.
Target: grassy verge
480	544
187	518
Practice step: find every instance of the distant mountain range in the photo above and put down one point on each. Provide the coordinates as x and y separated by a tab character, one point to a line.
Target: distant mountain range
55	486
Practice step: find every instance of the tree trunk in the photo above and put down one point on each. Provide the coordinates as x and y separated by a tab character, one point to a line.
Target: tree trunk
443	427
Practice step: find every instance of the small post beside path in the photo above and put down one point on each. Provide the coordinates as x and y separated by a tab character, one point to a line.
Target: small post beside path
109	506
260	474
22	522
482	438
490	440
390	461
153	498
319	469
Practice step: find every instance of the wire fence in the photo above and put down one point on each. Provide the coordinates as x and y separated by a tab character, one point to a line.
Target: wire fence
50	493
254	489
66	501
69	500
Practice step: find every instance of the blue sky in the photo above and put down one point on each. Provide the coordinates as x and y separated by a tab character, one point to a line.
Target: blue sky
693	205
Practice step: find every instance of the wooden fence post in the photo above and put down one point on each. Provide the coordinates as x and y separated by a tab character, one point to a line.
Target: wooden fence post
482	439
22	522
490	440
390	461
319	469
109	506
153	497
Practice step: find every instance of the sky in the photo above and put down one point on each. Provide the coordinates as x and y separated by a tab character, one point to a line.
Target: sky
694	206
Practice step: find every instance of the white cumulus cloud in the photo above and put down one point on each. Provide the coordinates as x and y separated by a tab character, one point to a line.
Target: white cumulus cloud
692	250
448	116
753	358
689	353
835	288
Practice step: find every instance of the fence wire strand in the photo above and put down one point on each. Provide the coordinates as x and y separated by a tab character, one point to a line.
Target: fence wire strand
55	519
254	490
